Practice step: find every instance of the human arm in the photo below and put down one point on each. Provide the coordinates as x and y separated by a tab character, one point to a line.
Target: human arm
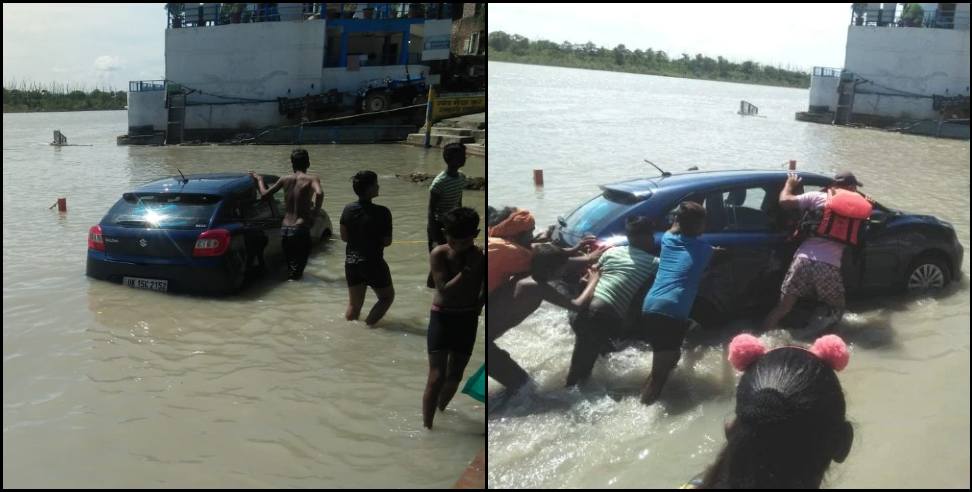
788	199
440	271
264	192
318	197
585	243
585	298
386	238
589	258
344	233
434	199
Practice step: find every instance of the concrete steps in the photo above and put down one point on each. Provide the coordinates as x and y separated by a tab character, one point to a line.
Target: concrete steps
458	132
469	130
476	149
438	140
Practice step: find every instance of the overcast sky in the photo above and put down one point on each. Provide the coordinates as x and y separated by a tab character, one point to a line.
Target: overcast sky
92	44
801	35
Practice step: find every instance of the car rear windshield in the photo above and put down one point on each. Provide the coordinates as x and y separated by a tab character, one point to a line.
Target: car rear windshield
163	210
596	214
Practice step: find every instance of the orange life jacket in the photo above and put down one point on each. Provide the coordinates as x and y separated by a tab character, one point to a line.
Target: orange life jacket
843	218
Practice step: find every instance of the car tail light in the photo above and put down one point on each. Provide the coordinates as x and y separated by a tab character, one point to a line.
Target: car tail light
213	242
95	240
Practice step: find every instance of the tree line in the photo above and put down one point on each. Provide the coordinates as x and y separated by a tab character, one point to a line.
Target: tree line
29	97
519	49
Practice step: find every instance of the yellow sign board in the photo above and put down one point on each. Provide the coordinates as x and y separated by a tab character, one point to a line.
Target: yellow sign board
451	105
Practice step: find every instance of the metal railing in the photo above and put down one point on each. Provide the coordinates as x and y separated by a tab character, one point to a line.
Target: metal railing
217	14
892	15
146	85
827	72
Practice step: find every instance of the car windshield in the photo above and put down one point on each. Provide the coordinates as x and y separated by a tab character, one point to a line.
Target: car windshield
595	215
163	210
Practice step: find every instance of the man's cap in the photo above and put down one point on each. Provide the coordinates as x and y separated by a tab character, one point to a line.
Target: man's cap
847	178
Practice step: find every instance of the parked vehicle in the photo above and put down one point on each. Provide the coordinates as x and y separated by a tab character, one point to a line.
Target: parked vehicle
901	251
201	234
382	94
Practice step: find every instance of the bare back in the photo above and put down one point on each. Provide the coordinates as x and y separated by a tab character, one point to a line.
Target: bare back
300	193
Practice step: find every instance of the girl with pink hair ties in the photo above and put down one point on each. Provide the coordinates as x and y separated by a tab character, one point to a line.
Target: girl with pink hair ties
790	417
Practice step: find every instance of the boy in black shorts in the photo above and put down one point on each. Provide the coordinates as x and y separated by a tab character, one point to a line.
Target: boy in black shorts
459	273
367	228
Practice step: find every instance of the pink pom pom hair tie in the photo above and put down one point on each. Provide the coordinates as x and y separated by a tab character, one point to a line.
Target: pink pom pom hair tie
746	349
832	350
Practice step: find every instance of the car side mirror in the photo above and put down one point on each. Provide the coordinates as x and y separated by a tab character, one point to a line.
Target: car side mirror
879	220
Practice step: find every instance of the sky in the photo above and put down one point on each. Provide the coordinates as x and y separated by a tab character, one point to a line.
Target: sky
799	35
106	45
85	45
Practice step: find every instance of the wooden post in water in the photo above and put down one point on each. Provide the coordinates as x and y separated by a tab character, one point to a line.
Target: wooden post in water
538	177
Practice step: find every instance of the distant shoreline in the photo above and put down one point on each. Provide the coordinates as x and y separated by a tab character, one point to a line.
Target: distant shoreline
6	111
57	98
652	74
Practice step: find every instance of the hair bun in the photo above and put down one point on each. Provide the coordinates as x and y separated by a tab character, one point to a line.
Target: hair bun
744	350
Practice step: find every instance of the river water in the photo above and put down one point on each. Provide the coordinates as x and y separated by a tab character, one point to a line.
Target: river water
907	385
106	386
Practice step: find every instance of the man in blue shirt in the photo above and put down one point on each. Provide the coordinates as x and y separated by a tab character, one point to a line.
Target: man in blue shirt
666	308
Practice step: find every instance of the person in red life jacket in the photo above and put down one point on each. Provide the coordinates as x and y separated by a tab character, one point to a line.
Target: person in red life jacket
836	218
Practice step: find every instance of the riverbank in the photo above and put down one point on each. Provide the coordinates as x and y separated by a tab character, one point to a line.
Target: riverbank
518	49
44	101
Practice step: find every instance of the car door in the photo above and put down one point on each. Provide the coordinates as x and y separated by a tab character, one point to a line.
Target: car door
747	225
758	246
880	263
260	224
716	287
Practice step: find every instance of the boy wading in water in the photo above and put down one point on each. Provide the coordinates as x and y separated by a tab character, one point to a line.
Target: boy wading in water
303	198
367	228
445	194
459	273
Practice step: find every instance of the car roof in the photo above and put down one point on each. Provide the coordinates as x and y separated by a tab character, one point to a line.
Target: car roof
212	183
695	180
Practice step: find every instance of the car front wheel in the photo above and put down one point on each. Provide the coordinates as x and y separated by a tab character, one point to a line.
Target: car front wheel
926	273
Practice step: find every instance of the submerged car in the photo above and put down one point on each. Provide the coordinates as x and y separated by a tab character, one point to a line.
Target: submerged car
199	234
901	251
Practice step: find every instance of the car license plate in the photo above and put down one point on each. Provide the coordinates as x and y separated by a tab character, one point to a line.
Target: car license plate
146	283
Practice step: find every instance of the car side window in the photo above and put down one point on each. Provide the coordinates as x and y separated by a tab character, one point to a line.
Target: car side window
257	210
747	209
233	209
716	219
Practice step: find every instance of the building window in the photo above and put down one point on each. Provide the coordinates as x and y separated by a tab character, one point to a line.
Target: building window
375	49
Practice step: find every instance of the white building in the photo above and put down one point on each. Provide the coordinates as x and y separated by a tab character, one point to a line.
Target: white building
897	65
226	65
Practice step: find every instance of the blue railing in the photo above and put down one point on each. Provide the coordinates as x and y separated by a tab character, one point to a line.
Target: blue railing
826	72
146	85
216	14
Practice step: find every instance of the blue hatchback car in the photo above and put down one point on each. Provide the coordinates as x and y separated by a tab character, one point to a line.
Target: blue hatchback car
901	251
198	234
